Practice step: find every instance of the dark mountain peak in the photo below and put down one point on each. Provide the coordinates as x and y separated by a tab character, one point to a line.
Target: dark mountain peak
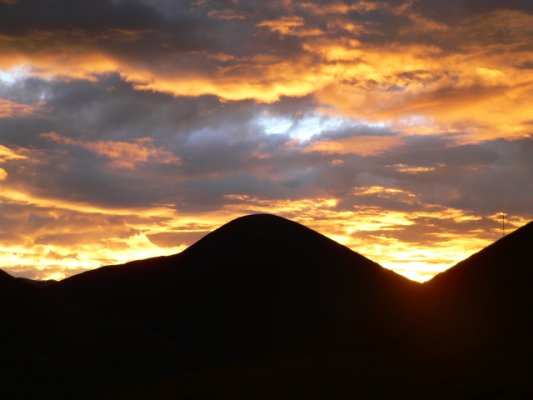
265	226
483	305
253	233
261	231
257	280
261	218
504	260
277	238
258	246
268	224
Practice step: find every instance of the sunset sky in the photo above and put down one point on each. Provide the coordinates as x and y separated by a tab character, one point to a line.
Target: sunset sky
130	129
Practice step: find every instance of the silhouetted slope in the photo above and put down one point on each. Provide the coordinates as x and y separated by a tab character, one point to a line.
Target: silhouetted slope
12	289
507	260
494	285
481	311
50	349
256	283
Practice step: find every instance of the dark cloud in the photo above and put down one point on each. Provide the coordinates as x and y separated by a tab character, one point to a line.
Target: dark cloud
526	65
222	150
137	31
95	16
486	177
455	10
427	230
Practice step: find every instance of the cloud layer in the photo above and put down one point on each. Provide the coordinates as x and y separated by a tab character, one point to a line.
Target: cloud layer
132	128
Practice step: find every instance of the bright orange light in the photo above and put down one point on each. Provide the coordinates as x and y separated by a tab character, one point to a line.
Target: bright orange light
65	249
369	231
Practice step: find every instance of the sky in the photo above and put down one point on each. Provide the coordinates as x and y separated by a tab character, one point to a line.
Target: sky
131	129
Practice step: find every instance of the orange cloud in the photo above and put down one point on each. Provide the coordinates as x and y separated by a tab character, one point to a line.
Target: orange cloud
292	26
482	85
408	169
8	109
363	145
7	154
339	7
125	155
79	236
226	14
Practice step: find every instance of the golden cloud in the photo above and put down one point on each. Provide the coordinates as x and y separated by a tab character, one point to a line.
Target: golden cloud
7	154
363	145
414	170
482	85
79	236
291	26
339	7
125	155
8	109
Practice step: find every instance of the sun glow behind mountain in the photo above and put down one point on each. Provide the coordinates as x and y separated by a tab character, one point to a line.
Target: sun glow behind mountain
130	129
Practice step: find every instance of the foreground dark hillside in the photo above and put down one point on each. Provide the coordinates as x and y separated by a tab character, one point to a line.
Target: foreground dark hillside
483	310
265	308
51	349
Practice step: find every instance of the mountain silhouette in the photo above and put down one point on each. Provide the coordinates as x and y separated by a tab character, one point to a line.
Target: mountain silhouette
266	308
480	312
256	283
491	291
472	340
